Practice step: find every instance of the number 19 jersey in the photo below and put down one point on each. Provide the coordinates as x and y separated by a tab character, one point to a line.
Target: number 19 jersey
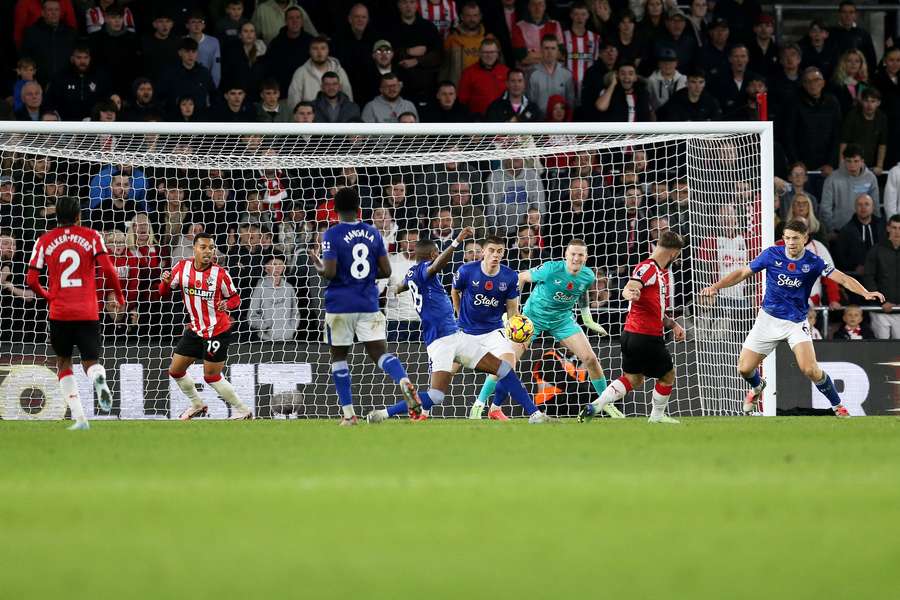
356	247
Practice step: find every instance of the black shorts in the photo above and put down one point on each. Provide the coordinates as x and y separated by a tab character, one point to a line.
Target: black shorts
84	335
645	354
215	349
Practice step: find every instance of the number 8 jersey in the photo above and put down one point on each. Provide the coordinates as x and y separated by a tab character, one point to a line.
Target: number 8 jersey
356	248
70	253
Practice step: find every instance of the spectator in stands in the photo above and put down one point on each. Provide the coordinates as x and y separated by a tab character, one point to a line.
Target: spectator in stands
402	204
549	77
580	45
887	80
106	111
485	81
859	235
15	296
724	251
625	230
96	16
187	111
304	112
817	49
142	106
32	102
665	80
116	50
49	41
243	58
31	12
143	265
629	46
866	126
513	105
813	125
101	185
784	82
271	15
854	327
595	79
525	254
353	46
116	209
172	213
528	33
511	191
228	27
848	35
749	110
418	49
26	70
574	214
383	221
332	105
891	205
763	49
209	51
382	62
443	229
684	44
851	77
471	252
692	103
400	310
465	212
462	48
844	186
271	108
234	109
730	89
187	79
652	24
445	108
798	179
557	110
624	99
801	207
307	80
290	48
440	13
389	105
12	209
882	271
76	89
159	48
273	304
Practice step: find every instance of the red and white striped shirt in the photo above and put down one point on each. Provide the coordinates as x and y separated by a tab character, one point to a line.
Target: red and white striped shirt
645	315
95	19
202	291
441	14
581	52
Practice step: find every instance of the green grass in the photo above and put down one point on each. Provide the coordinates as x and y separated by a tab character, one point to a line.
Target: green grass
715	508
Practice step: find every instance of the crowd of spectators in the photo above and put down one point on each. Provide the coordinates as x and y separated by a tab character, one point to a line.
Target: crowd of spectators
833	96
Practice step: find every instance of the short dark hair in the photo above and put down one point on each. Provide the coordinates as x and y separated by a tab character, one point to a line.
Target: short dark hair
68	210
304	103
493	239
331	75
346	200
270	83
870	93
188	43
320	39
204	235
894	218
796	225
737	46
515	70
83	47
388	76
625	63
671	240
852	150
448	83
697	73
550	37
425	245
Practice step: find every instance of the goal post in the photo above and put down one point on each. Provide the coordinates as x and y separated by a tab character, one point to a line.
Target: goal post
264	192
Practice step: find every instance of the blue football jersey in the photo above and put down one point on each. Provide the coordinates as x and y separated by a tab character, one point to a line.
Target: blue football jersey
789	281
483	297
356	247
431	302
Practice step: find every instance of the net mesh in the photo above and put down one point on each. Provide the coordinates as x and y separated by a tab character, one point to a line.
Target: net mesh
265	196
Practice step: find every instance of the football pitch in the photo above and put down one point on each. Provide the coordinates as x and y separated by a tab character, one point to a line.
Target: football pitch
714	508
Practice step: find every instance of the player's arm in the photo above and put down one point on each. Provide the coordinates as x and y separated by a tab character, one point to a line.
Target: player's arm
677	330
35	265
112	277
855	286
327	268
444	258
524	277
584	304
230	297
733	278
455	298
632	290
384	267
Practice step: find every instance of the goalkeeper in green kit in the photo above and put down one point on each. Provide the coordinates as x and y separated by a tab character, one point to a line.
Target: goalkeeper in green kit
558	287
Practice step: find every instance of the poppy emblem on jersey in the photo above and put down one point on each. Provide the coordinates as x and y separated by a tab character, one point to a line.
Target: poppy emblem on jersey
805	268
792	267
502	286
488	285
570	286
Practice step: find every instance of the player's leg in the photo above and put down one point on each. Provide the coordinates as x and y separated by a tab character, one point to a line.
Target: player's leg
572	337
189	349
507	351
806	362
89	348
661	392
633	366
390	364
62	342
509	384
440	385
339	334
212	375
764	336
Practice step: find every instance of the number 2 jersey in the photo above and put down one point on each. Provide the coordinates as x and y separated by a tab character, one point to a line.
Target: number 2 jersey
71	256
356	247
202	291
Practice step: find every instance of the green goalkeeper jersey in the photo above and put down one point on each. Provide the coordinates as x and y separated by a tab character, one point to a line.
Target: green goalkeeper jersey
556	291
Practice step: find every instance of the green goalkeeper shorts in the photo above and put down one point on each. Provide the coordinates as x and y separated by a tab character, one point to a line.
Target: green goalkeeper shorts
558	327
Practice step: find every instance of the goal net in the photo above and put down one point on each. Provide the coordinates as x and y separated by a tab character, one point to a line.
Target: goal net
265	192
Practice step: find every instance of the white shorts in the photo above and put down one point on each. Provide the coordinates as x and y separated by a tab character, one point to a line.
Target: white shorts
495	341
340	328
460	347
768	331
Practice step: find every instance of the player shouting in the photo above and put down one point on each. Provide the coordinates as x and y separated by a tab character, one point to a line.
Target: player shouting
644	351
71	253
791	272
353	256
445	343
208	294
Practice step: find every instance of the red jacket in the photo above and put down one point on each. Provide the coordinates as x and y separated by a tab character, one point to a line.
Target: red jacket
143	274
478	87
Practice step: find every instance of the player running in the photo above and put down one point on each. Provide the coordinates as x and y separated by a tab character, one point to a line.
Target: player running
791	272
71	254
558	286
208	294
644	352
445	343
354	256
482	293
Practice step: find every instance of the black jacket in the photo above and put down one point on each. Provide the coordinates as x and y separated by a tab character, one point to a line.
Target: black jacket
347	111
883	271
618	106
159	55
50	47
74	94
890	104
812	130
433	113
285	55
680	108
236	66
421	78
854	242
118	55
501	111
179	82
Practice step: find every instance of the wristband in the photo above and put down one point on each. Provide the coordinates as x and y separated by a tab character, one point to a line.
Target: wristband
454	244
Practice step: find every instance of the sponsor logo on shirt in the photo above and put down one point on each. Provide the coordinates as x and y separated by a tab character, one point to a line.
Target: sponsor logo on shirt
561	297
786	281
482	300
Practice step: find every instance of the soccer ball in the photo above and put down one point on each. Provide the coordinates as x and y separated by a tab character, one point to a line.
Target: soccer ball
519	329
